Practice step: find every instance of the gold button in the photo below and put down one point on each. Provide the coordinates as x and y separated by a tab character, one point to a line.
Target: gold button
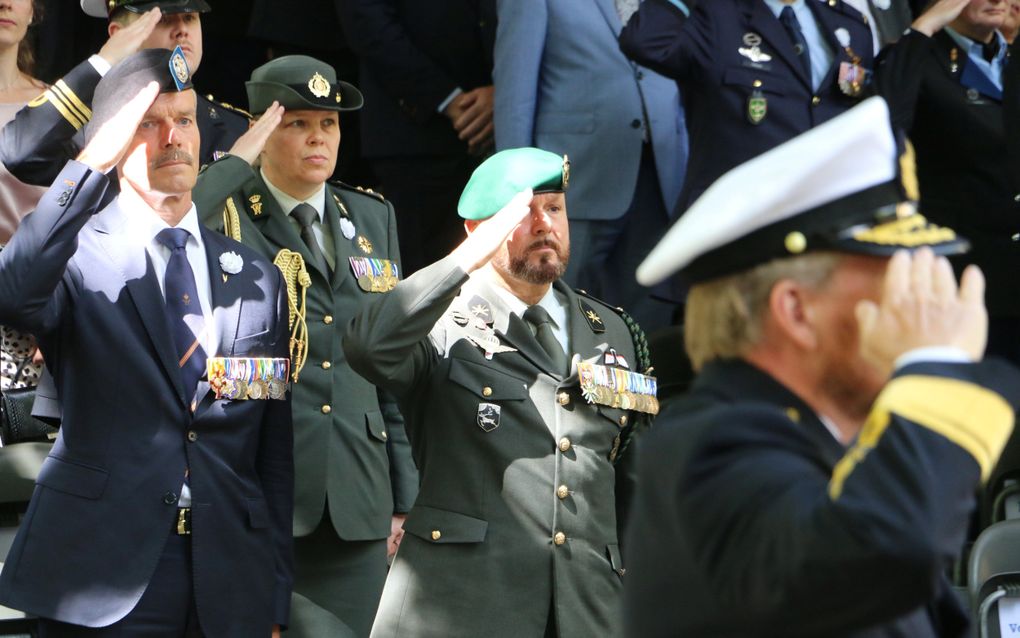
560	538
623	420
562	492
326	409
756	84
795	242
192	436
815	101
384	435
328	319
564	444
326	365
563	398
436	534
486	391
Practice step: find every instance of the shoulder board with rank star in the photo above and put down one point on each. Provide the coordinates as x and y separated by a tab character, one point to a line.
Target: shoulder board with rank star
358	189
230	107
241	378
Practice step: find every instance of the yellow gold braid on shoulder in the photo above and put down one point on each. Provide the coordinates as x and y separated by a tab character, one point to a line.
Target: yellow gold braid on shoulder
295	275
231	220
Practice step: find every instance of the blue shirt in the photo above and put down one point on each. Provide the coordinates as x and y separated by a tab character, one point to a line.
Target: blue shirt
975	55
821	53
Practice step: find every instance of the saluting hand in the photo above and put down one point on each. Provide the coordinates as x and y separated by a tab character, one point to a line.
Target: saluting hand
483	242
250	145
127	40
938	16
111	141
920	307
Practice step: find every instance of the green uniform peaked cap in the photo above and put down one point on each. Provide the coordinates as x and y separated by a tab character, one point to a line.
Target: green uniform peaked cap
495	182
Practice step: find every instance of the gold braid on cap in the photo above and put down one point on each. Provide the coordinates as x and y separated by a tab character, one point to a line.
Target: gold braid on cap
292	265
231	221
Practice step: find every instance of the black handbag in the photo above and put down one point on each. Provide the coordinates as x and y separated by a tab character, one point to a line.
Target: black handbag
17	425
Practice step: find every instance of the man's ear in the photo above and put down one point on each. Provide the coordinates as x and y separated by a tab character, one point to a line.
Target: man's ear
790	313
113	27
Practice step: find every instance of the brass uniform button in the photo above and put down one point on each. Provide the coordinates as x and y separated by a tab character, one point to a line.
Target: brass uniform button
384	435
756	84
192	436
436	534
563	398
560	538
326	409
815	101
564	444
623	420
486	391
326	365
562	492
328	319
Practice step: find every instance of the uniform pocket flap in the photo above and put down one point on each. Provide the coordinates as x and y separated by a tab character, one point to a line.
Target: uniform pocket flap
487	383
258	513
72	478
443	526
756	79
376	425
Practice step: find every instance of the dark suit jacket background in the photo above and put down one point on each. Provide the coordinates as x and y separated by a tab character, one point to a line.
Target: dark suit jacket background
448	44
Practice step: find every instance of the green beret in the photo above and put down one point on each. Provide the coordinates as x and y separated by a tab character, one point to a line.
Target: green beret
495	182
298	83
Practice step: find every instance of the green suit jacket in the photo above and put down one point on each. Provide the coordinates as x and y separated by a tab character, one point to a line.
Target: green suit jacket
347	438
516	511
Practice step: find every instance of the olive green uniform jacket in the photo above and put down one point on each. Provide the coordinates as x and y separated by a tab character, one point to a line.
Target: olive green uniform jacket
344	446
494	544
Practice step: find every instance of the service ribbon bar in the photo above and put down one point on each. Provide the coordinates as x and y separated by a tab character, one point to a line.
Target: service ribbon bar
244	378
618	388
374	275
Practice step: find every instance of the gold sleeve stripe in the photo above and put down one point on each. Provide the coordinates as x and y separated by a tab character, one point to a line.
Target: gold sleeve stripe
975	418
70	104
58	104
74	100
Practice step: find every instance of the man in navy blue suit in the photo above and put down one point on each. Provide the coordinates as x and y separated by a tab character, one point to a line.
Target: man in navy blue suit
752	73
165	505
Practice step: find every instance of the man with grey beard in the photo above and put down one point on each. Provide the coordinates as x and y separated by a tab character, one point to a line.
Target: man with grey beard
519	396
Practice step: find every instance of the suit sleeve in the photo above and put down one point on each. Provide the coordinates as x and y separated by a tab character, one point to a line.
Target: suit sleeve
275	466
521	27
388	342
661	37
216	182
801	544
375	32
899	77
45	134
35	262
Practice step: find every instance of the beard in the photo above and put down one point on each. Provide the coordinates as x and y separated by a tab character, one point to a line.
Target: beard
545	271
847	377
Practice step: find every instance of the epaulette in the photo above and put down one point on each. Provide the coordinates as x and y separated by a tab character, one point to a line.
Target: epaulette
230	107
643	421
359	189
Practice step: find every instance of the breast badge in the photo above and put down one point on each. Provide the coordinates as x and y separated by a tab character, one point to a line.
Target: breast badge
752	49
488	416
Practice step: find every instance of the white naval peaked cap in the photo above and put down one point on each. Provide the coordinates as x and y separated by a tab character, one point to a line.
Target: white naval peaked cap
834	187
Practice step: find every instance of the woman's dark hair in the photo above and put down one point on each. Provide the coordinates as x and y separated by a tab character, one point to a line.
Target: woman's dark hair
26	48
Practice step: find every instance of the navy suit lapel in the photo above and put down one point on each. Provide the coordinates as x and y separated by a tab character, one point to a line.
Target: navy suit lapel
762	21
143	287
225	292
608	9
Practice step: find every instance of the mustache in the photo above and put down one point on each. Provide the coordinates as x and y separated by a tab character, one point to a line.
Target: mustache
544	243
173	155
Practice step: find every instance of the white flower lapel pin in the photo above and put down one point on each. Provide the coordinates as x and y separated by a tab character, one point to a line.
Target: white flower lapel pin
231	263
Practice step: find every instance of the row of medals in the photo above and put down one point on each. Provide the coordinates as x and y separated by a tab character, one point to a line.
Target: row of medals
274	388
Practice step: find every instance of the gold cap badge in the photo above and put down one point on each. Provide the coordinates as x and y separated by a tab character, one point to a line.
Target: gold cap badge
319	86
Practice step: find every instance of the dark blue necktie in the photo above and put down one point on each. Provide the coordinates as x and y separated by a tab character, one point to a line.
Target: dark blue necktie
183	308
792	26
